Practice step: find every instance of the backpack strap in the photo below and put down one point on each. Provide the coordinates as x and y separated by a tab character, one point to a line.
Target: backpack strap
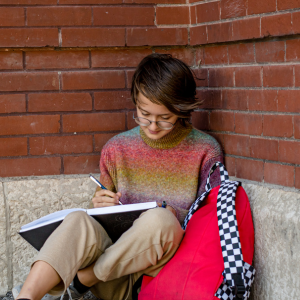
224	178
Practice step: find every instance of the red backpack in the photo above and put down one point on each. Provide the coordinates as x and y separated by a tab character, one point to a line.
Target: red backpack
215	256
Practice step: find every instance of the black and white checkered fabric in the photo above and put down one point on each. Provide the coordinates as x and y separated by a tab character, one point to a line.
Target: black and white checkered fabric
225	292
196	204
229	235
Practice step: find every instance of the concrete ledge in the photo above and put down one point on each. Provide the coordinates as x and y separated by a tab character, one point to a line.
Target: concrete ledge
275	214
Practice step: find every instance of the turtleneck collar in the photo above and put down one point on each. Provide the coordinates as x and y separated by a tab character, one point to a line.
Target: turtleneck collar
170	140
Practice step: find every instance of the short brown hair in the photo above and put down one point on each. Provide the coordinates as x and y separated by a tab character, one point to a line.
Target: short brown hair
166	81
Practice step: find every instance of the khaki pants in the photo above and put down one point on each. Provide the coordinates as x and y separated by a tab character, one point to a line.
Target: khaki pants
144	249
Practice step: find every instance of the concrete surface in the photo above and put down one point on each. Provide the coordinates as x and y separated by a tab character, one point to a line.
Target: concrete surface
275	213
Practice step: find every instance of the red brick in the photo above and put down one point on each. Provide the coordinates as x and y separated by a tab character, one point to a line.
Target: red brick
296	22
278	76
92	37
241	53
246	29
81	164
297	178
129	75
221	121
236	145
262	100
278	125
12	103
249	169
199	56
59	16
93	80
12	16
90	1
201	77
15	125
230	165
287	4
248	77
94	122
61	145
30	166
11	60
289	101
130	121
289	152
211	99
232	9
221	77
118	58
13	146
297	127
276	25
264	149
193	14
200	120
157	36
29	81
218	33
198	35
172	15
270	51
248	123
113	100
59	102
57	59
216	55
29	37
123	16
101	139
184	54
28	2
293	50
235	99
208	12
156	1
258	6
297	75
279	174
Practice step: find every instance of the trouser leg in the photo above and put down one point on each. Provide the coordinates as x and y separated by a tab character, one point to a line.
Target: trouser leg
144	248
74	245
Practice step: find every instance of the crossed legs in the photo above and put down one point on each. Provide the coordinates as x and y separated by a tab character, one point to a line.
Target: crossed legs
81	245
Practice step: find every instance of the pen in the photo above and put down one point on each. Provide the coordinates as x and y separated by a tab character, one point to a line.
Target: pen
101	185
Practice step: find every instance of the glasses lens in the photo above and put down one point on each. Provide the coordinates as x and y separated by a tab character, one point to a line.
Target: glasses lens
164	125
142	121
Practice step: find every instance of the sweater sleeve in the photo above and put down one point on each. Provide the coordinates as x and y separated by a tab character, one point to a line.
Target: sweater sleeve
108	174
214	178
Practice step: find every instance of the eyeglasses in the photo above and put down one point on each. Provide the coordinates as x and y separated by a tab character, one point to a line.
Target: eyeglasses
161	124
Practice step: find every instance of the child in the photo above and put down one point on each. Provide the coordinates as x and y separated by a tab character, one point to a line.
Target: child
163	159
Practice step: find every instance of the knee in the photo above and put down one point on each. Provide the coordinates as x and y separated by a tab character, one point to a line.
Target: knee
162	218
76	217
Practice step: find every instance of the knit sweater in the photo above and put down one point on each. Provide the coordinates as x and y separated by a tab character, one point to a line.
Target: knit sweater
173	168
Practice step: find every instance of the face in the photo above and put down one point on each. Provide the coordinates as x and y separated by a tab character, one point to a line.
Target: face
154	112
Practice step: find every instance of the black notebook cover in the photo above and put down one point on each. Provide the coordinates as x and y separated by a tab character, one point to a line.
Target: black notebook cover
38	236
115	223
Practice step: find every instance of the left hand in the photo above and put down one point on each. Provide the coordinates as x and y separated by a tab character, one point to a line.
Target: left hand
171	209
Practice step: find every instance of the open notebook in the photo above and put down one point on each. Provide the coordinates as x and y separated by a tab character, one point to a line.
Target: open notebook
114	219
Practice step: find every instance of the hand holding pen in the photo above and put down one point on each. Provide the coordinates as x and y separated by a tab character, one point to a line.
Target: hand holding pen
104	197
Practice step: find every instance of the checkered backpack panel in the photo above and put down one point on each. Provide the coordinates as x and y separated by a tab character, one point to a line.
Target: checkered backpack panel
238	275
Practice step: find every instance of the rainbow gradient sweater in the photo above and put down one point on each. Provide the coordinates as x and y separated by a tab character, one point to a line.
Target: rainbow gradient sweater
173	168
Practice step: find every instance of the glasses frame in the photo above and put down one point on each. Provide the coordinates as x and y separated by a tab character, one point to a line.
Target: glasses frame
150	122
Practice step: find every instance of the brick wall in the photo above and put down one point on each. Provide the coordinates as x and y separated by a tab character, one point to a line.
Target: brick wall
66	67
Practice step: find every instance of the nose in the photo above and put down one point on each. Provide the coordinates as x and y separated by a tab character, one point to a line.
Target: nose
153	126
